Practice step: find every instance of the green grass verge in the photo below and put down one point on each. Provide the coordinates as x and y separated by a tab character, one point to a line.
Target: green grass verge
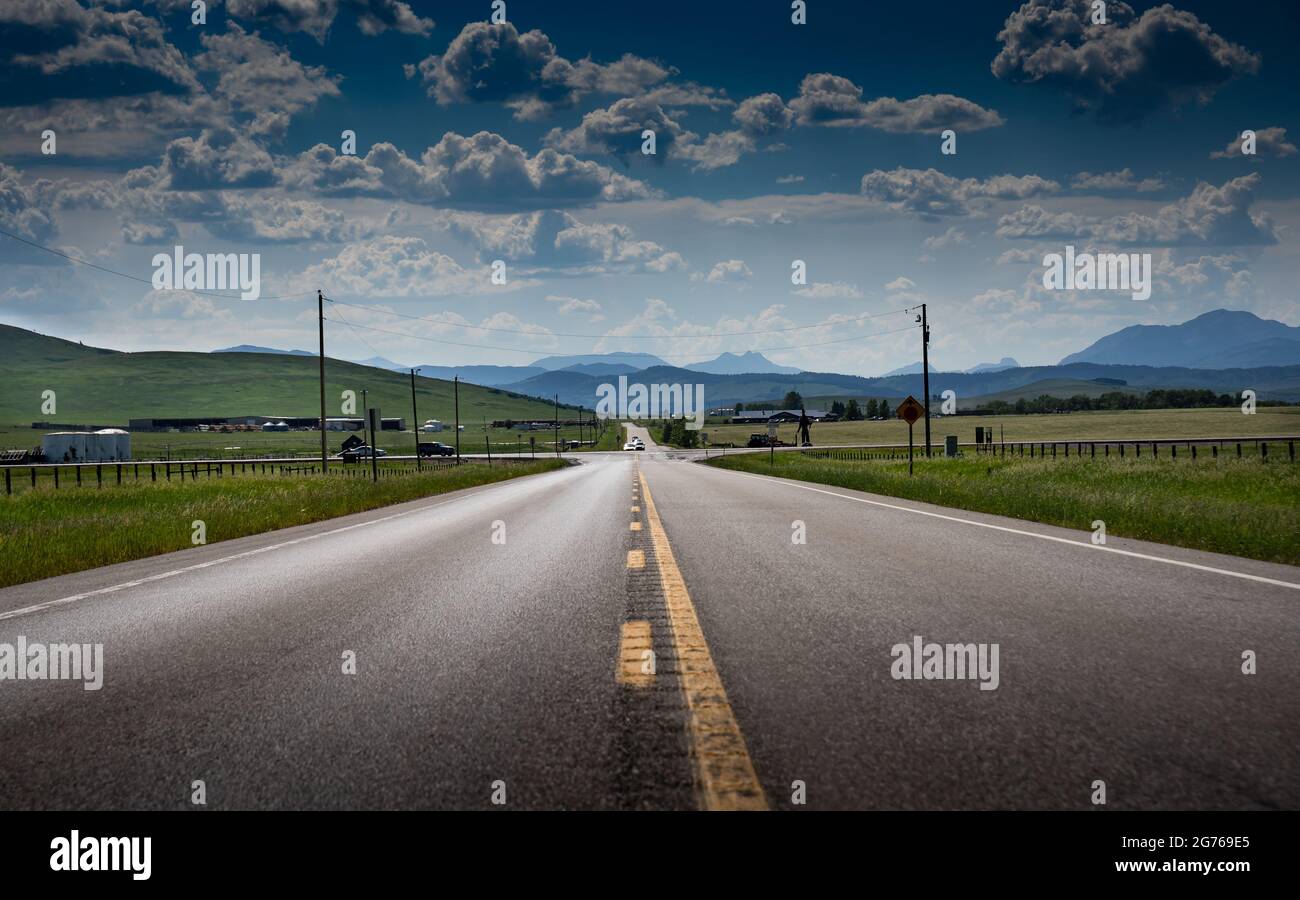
46	532
1243	507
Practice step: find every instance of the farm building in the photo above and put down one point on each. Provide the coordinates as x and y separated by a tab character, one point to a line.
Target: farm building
779	416
105	445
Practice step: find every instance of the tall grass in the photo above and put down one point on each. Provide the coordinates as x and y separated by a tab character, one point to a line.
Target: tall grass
46	532
1243	507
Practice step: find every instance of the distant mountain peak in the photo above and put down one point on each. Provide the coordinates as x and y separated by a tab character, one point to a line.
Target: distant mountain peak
749	362
1006	363
253	348
620	357
1218	339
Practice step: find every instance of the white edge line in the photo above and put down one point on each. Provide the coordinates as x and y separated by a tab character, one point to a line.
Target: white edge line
64	601
1043	537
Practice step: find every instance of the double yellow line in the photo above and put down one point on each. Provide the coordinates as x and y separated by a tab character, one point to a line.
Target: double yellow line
724	772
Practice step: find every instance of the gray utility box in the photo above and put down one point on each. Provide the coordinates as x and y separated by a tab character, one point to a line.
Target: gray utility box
950	445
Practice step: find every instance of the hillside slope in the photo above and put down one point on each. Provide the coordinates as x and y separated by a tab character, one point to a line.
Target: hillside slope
95	386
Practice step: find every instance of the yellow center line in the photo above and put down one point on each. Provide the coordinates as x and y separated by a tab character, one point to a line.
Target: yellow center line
724	772
635	526
636	559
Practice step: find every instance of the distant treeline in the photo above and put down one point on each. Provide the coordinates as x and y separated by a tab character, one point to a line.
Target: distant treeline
1190	398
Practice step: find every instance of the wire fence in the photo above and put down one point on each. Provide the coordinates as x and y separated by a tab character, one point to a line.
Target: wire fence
56	476
1191	449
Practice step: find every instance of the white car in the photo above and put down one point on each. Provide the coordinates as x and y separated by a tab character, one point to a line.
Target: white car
634	444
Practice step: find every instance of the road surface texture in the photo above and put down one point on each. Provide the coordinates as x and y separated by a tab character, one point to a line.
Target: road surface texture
640	631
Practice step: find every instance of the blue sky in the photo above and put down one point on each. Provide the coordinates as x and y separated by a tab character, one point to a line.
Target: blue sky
520	142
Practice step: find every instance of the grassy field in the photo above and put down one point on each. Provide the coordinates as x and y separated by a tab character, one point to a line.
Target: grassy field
106	387
45	532
1243	507
1130	424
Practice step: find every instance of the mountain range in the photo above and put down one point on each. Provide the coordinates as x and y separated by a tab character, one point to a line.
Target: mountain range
915	368
1215	350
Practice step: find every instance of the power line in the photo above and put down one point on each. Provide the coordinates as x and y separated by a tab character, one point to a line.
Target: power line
358	336
417	337
86	262
607	336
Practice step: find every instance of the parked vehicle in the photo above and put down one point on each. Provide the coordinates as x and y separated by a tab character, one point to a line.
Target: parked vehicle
362	452
436	448
761	440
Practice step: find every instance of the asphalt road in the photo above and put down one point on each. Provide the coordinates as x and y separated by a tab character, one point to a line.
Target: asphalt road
483	665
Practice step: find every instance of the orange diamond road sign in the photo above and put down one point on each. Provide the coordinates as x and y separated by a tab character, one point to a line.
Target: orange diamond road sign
910	410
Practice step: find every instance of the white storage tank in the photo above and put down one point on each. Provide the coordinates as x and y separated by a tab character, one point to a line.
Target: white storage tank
64	446
105	445
115	442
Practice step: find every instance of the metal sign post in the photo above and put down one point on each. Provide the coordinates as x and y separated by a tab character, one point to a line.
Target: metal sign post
909	449
910	411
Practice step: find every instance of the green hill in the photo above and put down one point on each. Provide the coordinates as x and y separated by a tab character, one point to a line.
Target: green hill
97	386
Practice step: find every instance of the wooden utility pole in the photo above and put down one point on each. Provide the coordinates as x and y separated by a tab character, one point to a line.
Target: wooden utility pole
320	320
557	424
925	375
456	392
415	423
375	426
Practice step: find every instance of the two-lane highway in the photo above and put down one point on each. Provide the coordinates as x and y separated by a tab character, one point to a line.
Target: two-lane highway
645	631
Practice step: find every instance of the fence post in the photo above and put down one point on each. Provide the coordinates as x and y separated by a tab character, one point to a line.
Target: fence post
9	488
1290	449
1238	449
78	468
56	477
99	476
1214	450
33	476
1263	452
119	473
1173	451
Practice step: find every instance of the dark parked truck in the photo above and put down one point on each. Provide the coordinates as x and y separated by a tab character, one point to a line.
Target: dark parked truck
435	448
